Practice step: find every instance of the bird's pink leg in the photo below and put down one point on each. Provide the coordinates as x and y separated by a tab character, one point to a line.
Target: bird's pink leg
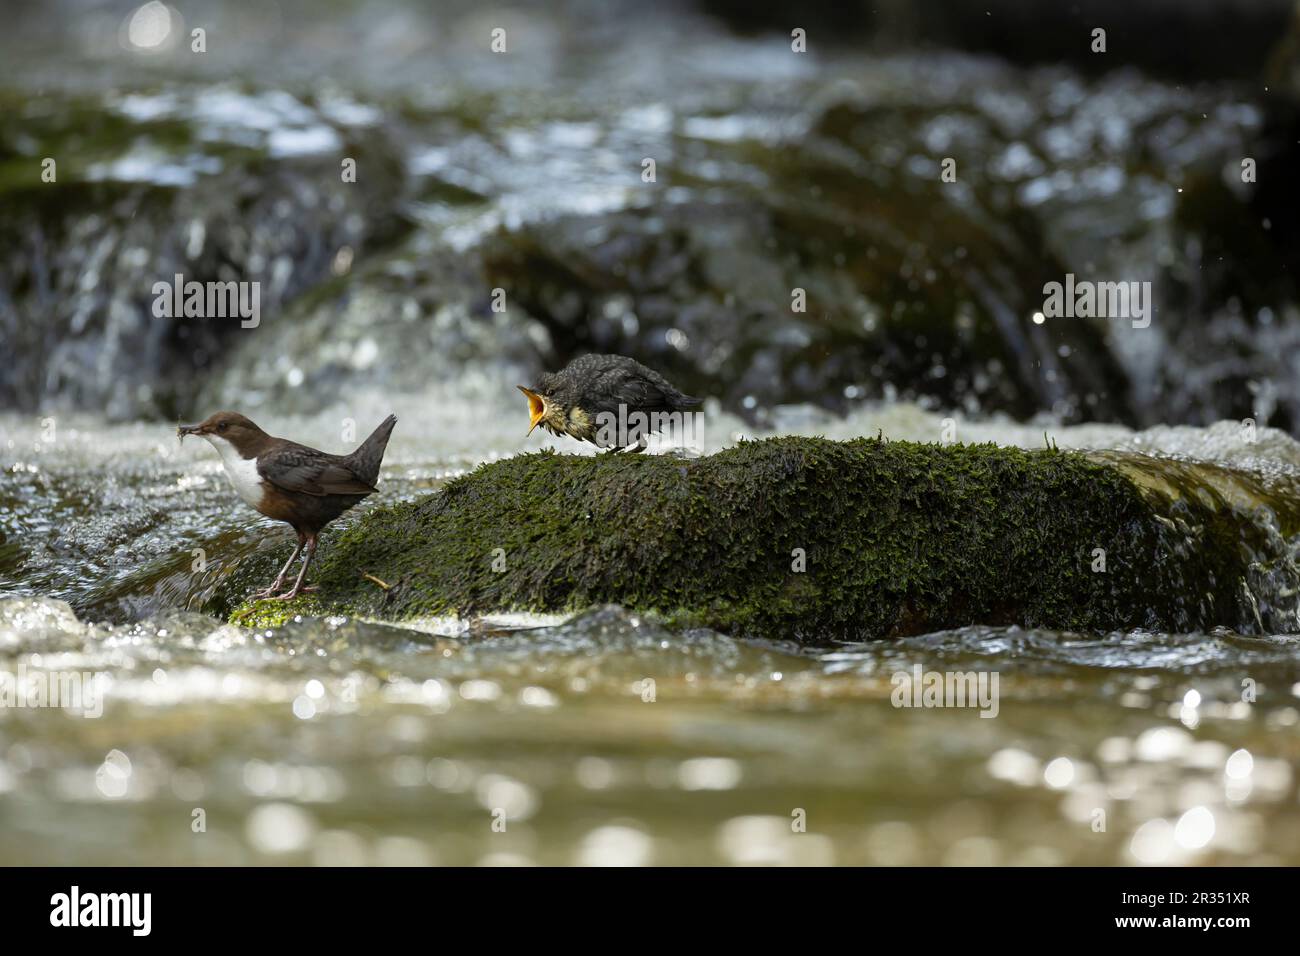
298	587
279	578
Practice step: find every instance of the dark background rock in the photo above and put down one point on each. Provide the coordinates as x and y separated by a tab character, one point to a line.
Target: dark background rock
79	257
1192	39
775	171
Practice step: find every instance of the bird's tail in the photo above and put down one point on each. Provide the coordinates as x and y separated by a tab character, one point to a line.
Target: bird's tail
370	454
687	401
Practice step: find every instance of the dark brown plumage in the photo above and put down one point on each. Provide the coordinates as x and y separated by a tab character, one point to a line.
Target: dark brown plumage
301	486
594	391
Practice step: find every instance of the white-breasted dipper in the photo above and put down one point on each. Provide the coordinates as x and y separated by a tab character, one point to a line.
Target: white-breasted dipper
289	482
611	401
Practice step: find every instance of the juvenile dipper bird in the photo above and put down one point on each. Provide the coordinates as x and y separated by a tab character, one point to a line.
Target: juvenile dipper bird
611	401
291	482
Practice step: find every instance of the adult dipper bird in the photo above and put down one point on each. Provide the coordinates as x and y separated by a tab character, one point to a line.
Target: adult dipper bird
291	482
611	401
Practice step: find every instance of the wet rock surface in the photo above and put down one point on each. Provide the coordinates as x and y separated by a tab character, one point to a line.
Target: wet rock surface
817	541
148	187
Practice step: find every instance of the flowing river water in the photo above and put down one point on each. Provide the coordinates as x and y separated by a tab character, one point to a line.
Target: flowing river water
341	741
604	738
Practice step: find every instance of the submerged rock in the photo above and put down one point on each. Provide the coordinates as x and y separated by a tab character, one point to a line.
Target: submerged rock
819	541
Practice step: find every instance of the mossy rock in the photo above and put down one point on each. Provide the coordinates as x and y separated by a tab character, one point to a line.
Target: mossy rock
257	614
811	540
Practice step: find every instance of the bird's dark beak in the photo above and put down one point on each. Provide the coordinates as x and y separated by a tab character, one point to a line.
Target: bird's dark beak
183	430
536	408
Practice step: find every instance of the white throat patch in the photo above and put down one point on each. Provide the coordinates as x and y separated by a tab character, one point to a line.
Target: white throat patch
242	472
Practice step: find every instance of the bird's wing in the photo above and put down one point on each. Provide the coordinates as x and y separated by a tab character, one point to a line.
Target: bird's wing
310	472
635	389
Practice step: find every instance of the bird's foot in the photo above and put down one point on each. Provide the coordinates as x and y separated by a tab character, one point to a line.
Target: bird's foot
268	592
294	592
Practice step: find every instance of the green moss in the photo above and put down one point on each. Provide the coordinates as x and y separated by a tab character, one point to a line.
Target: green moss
274	613
897	538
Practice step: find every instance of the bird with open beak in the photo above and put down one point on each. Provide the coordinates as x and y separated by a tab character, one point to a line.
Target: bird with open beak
301	486
611	401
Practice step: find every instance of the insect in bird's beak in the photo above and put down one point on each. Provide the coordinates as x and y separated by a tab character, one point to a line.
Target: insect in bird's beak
183	430
536	407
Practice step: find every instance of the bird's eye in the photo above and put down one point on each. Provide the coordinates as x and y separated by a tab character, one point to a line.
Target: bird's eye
222	426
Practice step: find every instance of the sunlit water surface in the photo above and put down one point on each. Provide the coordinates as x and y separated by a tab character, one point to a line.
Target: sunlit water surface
601	739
